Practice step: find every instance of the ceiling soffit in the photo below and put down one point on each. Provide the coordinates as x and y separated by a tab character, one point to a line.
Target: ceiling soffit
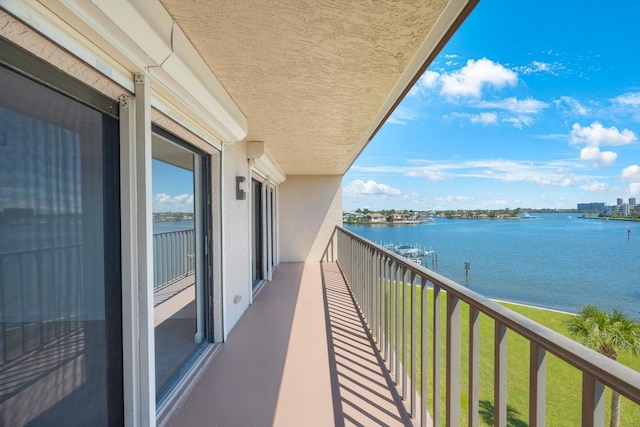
311	76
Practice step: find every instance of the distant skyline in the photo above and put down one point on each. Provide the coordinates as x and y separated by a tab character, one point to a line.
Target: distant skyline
531	104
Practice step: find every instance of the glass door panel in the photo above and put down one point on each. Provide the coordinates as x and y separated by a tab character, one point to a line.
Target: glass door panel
60	284
257	227
179	291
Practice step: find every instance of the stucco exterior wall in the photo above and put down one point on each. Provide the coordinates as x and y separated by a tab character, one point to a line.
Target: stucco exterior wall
310	208
236	250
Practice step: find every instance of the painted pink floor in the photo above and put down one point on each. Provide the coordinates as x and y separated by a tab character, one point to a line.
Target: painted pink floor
300	356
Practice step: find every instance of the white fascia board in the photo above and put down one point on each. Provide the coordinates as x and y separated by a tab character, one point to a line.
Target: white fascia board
144	33
153	40
152	29
161	104
42	18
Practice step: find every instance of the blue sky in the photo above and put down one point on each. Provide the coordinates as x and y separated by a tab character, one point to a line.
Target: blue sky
532	104
172	188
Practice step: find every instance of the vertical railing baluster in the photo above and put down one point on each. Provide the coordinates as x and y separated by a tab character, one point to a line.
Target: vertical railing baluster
383	282
392	283
397	314
423	352
385	311
405	353
436	354
374	298
500	375
412	346
474	366
367	276
592	402
537	385
453	360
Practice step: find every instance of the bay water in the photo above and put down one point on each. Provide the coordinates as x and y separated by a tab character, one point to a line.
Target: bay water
554	260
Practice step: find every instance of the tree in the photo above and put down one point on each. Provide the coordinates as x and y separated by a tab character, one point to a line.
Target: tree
609	333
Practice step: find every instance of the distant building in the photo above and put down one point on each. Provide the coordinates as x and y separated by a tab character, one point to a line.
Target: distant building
375	217
619	201
632	201
593	206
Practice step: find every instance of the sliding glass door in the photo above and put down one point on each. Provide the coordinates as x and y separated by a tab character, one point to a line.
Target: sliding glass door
180	256
60	284
257	233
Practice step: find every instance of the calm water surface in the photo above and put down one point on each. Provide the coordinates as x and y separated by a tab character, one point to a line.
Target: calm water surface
556	261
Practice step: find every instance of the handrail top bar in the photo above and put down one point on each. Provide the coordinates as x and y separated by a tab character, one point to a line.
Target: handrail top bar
43	249
174	231
601	368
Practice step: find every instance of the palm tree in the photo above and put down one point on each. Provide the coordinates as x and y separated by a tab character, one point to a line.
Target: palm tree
609	334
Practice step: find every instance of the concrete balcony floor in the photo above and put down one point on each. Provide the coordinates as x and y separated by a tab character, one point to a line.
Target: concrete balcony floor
300	355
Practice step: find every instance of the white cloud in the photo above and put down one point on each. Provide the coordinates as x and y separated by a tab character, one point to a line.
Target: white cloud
484	118
431	175
634	188
631	173
598	158
370	188
415	198
519	122
163	202
401	116
522	109
536	67
594	186
514	105
451	198
596	135
541	67
552	173
570	105
474	76
628	99
427	81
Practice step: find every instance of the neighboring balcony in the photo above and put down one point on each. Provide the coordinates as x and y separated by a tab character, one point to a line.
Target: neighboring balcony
352	341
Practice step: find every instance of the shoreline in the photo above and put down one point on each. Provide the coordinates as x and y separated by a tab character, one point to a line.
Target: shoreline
532	306
610	218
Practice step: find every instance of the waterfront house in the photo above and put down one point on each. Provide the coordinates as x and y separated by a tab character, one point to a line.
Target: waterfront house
258	109
398	217
375	217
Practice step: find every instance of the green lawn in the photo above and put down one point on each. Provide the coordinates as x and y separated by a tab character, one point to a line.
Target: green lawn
563	381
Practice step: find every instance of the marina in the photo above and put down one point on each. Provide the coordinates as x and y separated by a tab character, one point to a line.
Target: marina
556	261
425	257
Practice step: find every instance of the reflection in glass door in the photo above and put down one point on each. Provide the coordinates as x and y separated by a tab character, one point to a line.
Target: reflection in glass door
179	227
60	284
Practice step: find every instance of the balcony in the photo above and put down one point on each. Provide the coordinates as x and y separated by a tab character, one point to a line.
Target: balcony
331	344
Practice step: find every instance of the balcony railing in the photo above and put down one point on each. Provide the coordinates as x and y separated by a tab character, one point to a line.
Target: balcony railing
392	294
173	256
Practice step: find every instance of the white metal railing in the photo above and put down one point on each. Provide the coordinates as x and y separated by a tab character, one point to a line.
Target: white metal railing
392	295
173	256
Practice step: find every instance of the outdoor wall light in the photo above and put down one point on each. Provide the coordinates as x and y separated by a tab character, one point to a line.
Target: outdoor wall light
241	188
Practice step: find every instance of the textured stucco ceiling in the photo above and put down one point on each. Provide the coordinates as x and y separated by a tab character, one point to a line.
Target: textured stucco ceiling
310	75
